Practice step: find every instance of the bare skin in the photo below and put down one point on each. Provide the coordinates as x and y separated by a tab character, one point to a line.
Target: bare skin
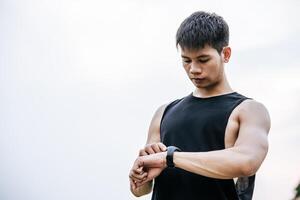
153	145
246	142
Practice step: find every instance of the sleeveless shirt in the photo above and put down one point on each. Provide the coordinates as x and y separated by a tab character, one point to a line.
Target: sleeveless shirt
197	124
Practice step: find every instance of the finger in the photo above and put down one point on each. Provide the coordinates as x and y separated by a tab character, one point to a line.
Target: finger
139	170
155	148
137	176
137	180
149	149
139	184
134	178
143	152
138	163
162	146
132	184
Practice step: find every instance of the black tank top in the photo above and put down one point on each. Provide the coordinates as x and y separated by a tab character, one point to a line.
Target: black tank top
197	124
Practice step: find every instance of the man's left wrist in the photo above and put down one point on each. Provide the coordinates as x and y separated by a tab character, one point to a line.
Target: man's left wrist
165	159
175	154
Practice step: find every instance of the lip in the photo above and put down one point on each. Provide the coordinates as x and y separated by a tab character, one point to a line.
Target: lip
198	79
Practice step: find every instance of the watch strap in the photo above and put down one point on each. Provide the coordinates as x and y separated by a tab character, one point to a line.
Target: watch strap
170	153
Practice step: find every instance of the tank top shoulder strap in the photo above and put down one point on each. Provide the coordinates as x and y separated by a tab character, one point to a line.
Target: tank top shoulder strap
240	99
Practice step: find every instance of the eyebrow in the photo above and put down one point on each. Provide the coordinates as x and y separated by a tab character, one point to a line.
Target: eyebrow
201	56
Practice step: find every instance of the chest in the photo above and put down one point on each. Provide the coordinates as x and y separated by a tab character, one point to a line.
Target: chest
197	127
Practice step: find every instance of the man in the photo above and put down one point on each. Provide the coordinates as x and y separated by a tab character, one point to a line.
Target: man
209	144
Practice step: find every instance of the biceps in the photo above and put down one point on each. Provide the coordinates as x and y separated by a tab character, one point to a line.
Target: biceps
254	127
253	142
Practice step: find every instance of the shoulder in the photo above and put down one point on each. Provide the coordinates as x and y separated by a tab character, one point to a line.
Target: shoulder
252	106
253	111
161	109
154	128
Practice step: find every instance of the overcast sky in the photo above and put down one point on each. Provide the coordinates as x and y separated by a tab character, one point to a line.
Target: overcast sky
81	79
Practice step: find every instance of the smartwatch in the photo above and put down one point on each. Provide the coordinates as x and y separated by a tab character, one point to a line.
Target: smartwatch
170	153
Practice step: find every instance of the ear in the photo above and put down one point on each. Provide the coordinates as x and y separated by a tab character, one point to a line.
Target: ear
226	53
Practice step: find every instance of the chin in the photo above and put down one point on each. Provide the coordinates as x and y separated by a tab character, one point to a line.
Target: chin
205	85
202	86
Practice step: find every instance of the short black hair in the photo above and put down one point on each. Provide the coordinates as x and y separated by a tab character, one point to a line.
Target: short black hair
203	28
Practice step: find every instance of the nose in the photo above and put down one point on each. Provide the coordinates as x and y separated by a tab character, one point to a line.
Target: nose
195	68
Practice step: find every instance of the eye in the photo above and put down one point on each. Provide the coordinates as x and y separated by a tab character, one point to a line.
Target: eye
204	60
186	61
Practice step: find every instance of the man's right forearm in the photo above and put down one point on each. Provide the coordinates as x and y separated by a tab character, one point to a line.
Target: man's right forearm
142	190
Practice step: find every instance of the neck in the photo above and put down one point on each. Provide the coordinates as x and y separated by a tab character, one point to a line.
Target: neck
219	88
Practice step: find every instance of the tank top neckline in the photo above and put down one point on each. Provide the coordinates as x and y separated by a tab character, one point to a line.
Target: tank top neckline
212	97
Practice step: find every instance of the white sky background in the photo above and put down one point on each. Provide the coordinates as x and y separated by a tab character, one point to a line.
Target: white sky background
80	81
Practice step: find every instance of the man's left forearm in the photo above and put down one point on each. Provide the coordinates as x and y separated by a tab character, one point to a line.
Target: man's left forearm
222	164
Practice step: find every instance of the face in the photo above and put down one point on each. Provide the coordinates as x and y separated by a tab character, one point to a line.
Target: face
205	67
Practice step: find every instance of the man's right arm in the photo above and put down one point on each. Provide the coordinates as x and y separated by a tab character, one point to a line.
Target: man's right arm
153	145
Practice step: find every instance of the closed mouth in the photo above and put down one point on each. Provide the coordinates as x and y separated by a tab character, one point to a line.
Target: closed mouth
198	78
